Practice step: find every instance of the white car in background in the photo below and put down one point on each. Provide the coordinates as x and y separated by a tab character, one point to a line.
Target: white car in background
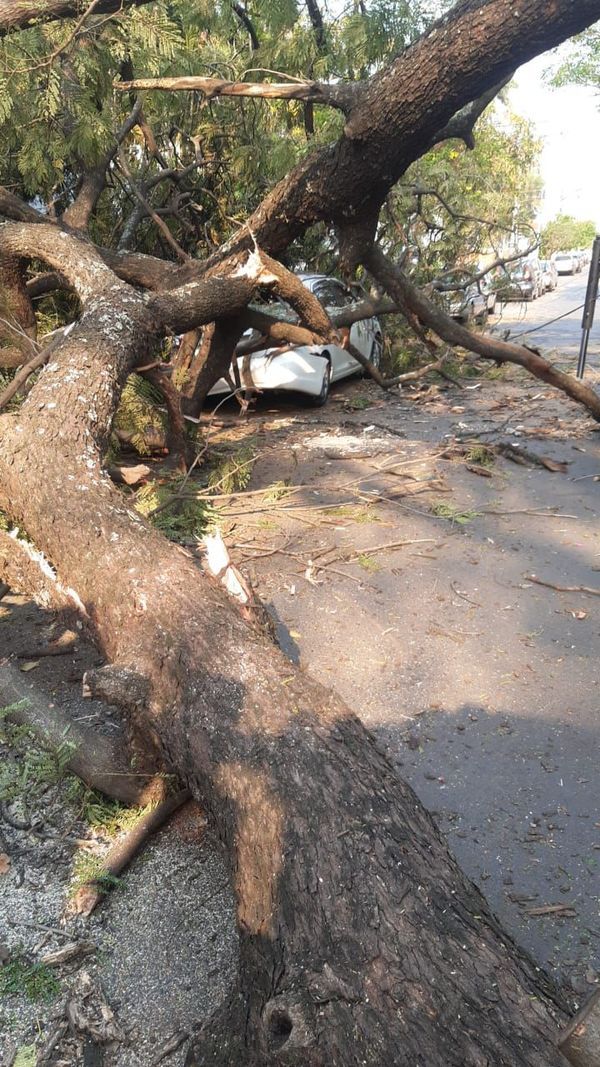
565	263
308	369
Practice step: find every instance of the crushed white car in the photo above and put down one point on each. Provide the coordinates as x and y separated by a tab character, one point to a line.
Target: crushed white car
308	369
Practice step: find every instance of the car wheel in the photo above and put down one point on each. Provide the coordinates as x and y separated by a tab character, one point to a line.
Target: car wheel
377	351
321	399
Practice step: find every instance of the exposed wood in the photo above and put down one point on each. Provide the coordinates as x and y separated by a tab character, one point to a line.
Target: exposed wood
590	590
124	850
130	475
361	942
580	1042
341	95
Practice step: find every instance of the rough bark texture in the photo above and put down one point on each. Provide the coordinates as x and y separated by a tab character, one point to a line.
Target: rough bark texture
401	111
361	941
15	14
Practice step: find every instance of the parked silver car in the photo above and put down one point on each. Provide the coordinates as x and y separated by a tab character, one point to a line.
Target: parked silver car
549	275
308	369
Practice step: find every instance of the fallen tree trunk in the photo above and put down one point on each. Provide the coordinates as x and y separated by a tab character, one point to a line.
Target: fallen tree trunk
361	941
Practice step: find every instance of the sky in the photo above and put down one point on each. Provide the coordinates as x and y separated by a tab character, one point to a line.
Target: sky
567	120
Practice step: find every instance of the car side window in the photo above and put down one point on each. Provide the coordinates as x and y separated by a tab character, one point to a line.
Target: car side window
332	295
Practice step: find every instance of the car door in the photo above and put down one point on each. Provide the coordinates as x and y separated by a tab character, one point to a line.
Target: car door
362	333
333	296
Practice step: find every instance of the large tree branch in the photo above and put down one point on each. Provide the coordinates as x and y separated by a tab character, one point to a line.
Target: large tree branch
247	23
401	289
17	14
340	95
398	113
357	929
461	125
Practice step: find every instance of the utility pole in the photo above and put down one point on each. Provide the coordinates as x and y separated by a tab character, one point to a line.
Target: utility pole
590	305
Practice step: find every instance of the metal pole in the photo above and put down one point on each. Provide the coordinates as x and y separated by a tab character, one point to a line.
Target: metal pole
589	306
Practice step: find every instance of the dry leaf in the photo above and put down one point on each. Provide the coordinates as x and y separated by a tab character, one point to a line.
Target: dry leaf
4	863
553	465
30	665
579	614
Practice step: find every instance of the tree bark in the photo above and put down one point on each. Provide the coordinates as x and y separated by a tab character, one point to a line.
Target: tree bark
402	111
361	942
16	14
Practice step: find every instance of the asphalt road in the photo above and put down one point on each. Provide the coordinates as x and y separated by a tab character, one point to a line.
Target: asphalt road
528	320
482	686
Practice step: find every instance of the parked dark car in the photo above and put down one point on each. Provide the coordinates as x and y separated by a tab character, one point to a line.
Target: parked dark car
519	283
468	303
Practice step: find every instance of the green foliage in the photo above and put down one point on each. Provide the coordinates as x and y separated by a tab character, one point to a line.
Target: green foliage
461	208
359	515
233	471
88	867
181	517
26	1056
582	63
565	232
275	492
33	768
35	981
454	514
368	563
138	415
481	455
359	403
58	109
106	816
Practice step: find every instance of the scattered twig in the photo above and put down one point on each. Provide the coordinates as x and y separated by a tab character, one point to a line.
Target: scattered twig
562	588
175	1042
74	950
523	456
387	547
123	851
539	513
566	911
64	645
463	596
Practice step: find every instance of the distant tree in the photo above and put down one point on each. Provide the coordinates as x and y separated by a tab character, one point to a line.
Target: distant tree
567	232
582	63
